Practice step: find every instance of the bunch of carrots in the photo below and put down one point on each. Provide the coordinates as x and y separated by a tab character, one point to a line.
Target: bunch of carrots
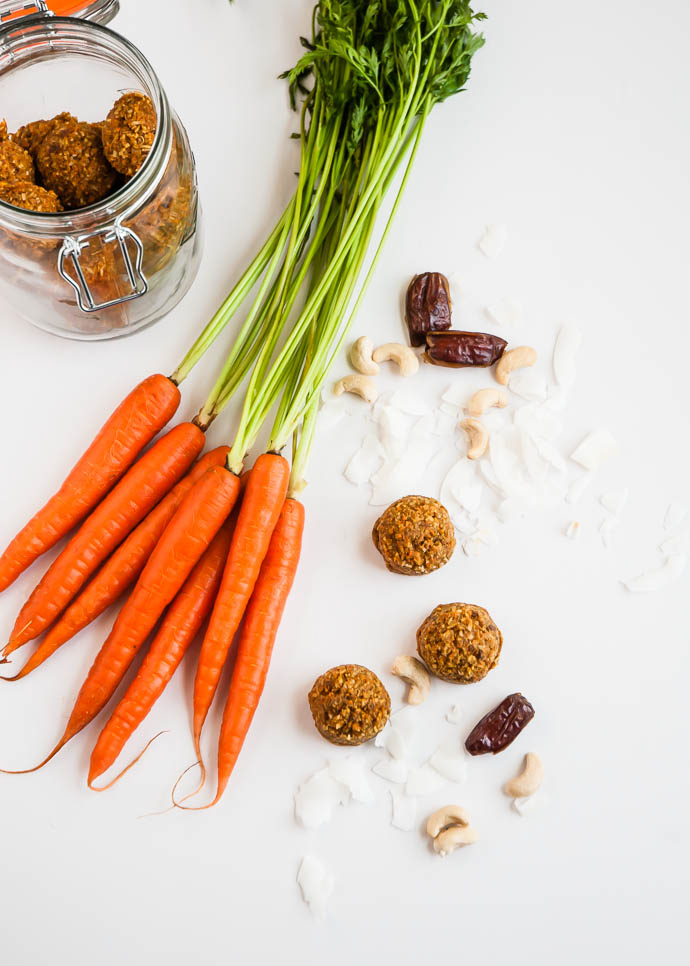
196	540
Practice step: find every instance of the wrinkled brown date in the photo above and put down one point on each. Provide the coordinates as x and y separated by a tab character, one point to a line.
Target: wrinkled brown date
461	349
427	305
500	727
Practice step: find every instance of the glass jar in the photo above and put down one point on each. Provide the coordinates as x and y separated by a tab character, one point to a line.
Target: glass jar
121	263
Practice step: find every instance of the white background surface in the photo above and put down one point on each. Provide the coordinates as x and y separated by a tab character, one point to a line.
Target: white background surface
573	132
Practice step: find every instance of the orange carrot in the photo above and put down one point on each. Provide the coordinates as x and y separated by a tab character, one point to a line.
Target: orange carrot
261	623
263	500
200	516
133	424
120	570
123	508
180	626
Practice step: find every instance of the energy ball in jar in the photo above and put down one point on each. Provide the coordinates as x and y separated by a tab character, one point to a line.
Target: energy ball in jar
414	536
16	164
30	135
128	132
349	705
459	643
71	163
26	194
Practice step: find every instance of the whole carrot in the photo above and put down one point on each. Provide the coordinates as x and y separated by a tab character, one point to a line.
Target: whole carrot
120	570
263	500
134	423
123	508
180	626
261	623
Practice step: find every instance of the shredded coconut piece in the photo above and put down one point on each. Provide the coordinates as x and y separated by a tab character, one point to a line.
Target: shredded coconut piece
424	780
316	884
505	312
392	770
606	529
350	773
455	395
493	240
450	763
404	813
528	384
678	543
529	804
595	449
568	342
454	714
473	545
317	799
578	487
676	513
671	569
365	462
572	531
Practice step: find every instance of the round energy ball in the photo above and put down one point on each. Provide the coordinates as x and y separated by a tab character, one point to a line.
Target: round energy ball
349	705
16	164
459	643
128	132
30	135
71	163
25	194
414	535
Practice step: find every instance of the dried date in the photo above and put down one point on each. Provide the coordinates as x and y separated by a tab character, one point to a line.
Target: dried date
500	727
427	306
462	349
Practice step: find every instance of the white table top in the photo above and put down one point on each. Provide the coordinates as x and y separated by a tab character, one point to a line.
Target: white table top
573	133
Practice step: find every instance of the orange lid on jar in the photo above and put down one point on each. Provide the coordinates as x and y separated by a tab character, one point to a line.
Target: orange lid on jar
99	11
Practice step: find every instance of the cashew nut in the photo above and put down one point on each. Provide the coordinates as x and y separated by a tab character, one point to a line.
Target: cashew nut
415	674
528	779
486	398
407	361
478	435
523	355
361	356
453	837
362	386
445	816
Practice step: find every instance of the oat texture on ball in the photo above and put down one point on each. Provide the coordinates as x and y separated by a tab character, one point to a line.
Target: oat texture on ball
414	536
16	164
71	163
128	132
459	643
349	704
26	194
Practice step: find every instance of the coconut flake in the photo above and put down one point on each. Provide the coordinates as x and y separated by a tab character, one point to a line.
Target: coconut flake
528	384
395	479
595	449
676	513
317	799
511	509
392	770
424	780
539	421
443	423
454	714
316	884
505	312
671	569
606	529
572	531
393	428
350	772
410	402
578	487
365	461
678	543
530	803
455	395
614	501
461	495
568	342
476	542
493	240
404	812
450	763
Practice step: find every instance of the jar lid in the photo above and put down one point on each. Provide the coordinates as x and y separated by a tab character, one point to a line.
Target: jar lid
98	11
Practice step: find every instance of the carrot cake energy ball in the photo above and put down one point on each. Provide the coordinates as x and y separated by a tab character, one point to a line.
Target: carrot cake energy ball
349	705
128	132
29	136
459	643
16	164
26	194
71	163
414	535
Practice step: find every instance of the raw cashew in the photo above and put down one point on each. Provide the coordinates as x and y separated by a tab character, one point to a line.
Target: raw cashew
478	435
361	385
486	398
523	355
528	780
413	671
407	361
453	837
444	817
361	356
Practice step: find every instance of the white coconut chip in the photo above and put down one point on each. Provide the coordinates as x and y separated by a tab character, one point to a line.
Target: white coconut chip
511	509
671	569
493	240
424	780
393	428
572	531
595	449
529	385
548	451
606	529
317	799
529	804
678	543
676	513
443	423
535	464
505	312
395	479
365	461
404	811
478	541
450	762
351	773
578	487
539	421
410	402
454	714
392	770
456	395
614	501
316	884
568	342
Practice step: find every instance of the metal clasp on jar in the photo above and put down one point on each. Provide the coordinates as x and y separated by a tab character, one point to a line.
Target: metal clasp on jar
9	10
72	249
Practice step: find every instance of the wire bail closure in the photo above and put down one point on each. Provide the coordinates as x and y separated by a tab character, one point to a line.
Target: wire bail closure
72	249
10	11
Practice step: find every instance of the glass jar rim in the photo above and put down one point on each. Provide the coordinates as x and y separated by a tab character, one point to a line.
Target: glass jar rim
140	185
